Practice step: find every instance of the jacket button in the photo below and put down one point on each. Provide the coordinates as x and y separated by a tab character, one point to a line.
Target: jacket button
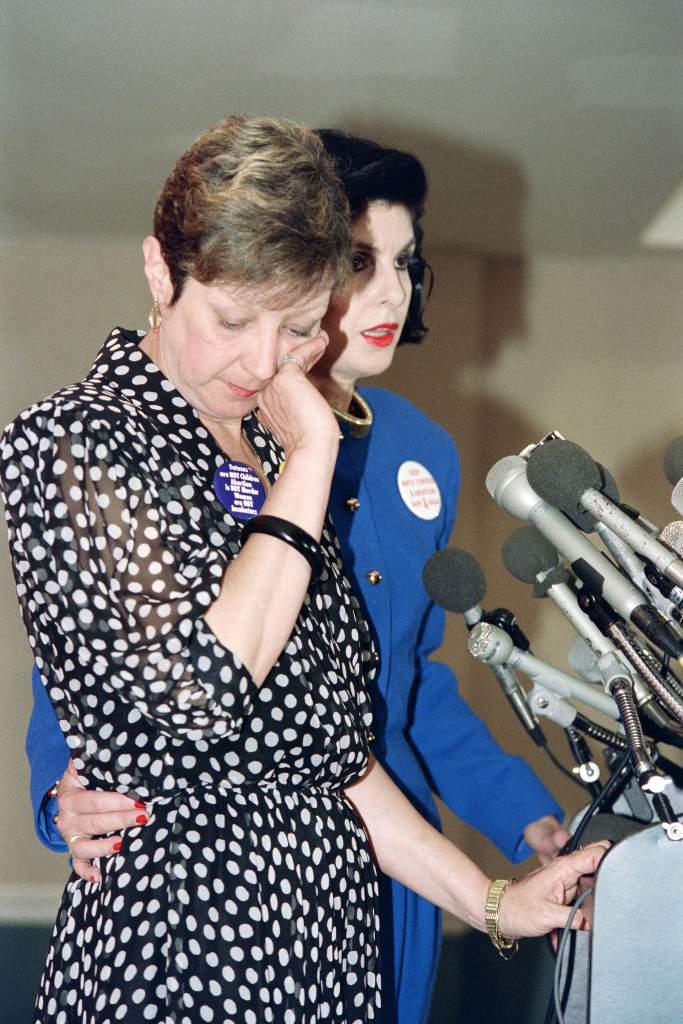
374	577
352	504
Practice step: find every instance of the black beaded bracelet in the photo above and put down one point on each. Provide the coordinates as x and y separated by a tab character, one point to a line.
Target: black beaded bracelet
290	533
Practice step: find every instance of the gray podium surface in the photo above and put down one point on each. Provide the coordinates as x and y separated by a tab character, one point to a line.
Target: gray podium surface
636	966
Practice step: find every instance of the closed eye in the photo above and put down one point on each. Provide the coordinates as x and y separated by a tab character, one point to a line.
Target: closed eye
304	332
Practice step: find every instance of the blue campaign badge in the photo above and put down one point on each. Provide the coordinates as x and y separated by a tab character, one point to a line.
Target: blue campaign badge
239	489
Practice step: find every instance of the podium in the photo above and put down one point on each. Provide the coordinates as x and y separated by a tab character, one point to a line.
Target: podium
636	955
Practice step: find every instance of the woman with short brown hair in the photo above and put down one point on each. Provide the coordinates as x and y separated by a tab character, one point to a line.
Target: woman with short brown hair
191	621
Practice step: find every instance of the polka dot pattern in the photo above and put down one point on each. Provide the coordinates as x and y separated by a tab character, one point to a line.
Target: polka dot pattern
251	894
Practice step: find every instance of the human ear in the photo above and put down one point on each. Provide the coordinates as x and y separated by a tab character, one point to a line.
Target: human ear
156	271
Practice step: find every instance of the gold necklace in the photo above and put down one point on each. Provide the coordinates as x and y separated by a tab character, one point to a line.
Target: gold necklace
358	425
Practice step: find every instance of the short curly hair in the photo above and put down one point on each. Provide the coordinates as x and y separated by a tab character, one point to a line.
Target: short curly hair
255	202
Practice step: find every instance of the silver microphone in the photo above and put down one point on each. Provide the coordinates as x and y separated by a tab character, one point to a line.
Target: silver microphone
507	484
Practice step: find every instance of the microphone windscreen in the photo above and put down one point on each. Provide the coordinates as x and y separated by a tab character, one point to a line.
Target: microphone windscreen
672	536
560	471
526	553
583	519
454	580
677	497
673	461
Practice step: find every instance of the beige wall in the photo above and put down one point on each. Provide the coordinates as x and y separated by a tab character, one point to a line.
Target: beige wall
60	297
589	347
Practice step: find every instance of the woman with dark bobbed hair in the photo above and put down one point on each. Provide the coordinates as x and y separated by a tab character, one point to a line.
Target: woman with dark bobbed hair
393	503
194	629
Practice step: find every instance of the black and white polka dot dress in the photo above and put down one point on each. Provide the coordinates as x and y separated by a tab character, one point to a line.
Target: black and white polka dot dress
250	895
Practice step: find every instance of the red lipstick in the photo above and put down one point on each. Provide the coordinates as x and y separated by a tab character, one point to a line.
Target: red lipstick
381	335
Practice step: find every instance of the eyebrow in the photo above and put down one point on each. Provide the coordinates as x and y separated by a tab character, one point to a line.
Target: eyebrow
368	247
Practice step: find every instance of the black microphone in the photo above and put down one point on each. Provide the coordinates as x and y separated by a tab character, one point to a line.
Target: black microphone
455	581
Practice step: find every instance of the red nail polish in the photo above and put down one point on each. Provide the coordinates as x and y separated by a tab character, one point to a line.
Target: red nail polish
141	819
93	878
116	846
139	804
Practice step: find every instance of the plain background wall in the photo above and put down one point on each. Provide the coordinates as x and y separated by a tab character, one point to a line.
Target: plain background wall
517	347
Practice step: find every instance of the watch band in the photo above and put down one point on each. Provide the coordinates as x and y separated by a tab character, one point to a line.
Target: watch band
506	947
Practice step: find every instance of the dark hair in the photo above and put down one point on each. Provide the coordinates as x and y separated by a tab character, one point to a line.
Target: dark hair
255	202
371	172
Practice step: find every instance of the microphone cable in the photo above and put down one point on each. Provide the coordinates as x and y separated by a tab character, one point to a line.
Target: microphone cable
616	779
556	1004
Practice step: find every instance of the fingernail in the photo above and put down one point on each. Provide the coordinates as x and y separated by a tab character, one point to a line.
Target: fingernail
139	804
141	819
116	846
93	878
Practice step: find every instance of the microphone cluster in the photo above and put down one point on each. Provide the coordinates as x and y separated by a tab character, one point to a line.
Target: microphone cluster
623	594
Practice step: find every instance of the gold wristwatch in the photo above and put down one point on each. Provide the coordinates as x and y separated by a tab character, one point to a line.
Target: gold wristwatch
506	947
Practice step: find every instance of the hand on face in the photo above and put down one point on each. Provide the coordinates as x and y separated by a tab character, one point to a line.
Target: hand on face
291	407
84	814
221	344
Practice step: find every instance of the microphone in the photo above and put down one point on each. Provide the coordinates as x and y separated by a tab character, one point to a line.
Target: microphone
659	590
530	558
507	484
455	581
493	645
565	475
581	517
677	497
672	536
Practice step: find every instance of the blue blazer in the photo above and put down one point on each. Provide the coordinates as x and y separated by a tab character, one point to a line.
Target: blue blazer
428	737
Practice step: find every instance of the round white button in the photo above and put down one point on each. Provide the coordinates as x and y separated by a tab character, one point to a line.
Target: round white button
419	490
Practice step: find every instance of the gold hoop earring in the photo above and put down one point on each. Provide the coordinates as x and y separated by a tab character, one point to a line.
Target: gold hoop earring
155	316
